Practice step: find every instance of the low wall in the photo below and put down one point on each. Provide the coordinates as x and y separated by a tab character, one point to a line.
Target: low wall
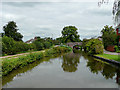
108	60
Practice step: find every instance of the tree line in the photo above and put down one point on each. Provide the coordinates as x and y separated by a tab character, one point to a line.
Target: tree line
12	42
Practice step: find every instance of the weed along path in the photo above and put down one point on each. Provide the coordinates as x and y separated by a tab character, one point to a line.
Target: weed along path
22	54
68	70
9	64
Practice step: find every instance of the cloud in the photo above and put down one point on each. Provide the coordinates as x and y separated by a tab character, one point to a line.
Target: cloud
46	18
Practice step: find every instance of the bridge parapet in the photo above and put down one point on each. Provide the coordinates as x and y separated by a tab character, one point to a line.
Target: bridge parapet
71	44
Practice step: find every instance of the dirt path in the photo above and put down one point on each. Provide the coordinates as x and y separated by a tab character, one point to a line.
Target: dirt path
112	53
16	55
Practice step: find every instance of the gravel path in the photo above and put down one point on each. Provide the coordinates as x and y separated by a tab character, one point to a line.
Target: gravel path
112	53
16	55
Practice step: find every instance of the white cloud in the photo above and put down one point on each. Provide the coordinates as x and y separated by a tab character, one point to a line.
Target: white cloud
45	19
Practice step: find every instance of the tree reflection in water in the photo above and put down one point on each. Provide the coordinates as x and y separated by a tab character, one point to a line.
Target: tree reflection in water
107	70
70	62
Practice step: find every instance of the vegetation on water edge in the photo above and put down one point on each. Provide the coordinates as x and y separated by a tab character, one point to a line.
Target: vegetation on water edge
111	57
9	64
93	46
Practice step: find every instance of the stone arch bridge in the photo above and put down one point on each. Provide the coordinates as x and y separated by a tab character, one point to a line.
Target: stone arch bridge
71	44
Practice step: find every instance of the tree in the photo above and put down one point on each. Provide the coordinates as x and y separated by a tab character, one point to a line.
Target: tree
10	30
69	34
70	62
93	46
109	36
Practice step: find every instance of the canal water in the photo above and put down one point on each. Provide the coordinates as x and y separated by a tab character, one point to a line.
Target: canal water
70	70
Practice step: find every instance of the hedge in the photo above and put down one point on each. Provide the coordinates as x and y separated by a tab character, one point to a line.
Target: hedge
10	64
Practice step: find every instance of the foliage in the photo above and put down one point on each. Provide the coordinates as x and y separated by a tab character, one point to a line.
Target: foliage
47	45
70	34
10	46
39	45
43	43
32	46
70	62
59	40
109	36
66	47
10	30
9	64
117	49
93	46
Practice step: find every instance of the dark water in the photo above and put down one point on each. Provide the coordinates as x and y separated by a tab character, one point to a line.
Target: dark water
71	70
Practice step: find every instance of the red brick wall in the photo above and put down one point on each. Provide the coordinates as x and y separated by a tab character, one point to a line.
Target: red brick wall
110	48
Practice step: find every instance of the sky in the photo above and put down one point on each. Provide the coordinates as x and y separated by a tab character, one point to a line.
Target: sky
47	18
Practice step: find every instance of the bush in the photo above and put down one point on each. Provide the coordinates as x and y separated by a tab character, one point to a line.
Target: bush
47	45
39	45
32	46
10	46
116	49
93	46
9	64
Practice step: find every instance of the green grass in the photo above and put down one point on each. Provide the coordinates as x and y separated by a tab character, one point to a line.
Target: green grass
9	64
111	57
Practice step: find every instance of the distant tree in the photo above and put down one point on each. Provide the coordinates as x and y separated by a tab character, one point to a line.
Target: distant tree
70	34
10	30
109	36
59	40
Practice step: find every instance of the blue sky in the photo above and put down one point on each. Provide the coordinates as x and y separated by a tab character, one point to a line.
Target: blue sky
47	18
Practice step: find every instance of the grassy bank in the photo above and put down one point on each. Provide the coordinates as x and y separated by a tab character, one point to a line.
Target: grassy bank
9	64
111	57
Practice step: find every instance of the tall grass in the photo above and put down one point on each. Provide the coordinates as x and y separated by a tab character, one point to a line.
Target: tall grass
10	64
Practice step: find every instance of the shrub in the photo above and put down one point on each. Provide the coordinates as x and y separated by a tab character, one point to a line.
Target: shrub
32	46
47	45
49	52
8	45
116	48
9	64
93	46
39	45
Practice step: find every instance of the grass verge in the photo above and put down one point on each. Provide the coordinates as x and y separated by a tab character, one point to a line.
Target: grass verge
111	57
10	64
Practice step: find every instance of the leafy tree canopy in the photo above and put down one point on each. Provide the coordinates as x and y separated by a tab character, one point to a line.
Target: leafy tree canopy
70	34
109	36
10	30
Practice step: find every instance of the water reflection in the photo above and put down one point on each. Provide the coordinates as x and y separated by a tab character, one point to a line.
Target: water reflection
108	71
70	62
20	71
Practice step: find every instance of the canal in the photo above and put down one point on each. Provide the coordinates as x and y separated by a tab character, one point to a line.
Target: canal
70	70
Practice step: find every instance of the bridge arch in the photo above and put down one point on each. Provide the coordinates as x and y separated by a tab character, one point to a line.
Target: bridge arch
72	44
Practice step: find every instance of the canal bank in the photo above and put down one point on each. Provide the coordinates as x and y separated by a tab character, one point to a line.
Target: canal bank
70	70
107	60
110	57
9	64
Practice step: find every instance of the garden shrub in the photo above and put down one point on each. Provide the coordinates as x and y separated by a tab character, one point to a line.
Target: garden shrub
10	46
93	46
47	45
117	49
9	64
39	45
